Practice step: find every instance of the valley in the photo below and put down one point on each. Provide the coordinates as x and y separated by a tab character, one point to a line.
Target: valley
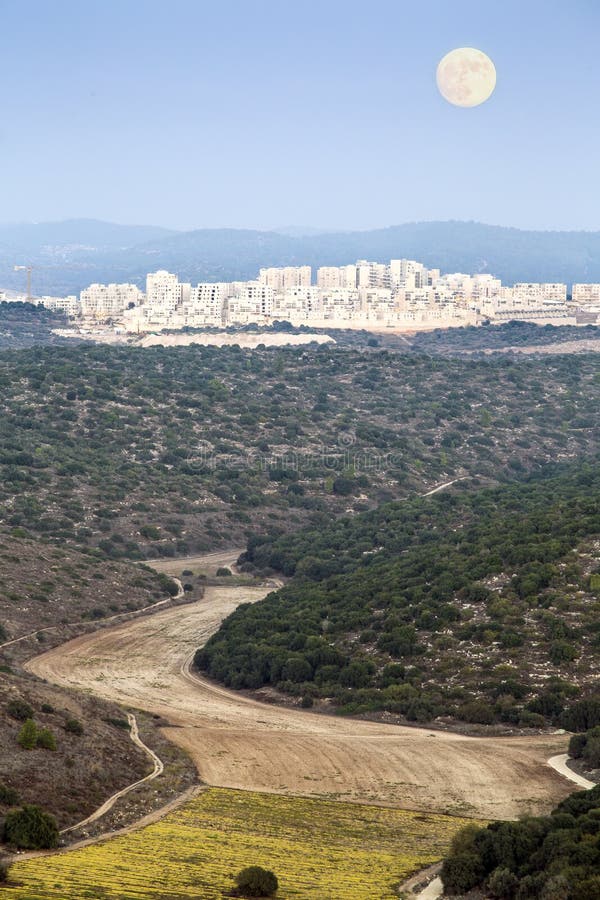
299	508
398	511
237	742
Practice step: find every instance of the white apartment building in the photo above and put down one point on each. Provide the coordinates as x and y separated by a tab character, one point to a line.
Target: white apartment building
333	277
485	287
372	274
104	301
457	286
534	292
251	301
340	305
297	305
287	277
207	303
409	274
165	293
422	297
468	290
67	305
377	304
555	291
586	293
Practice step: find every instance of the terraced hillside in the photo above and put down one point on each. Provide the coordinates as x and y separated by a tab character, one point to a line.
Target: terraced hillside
167	452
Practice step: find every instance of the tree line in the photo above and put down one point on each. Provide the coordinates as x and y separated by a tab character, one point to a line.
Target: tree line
555	857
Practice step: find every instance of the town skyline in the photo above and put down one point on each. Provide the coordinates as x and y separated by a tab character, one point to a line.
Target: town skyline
401	294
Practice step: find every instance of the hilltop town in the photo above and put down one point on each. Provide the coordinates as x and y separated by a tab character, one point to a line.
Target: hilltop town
402	295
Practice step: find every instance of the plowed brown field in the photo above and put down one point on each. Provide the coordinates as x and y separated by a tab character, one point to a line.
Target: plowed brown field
240	743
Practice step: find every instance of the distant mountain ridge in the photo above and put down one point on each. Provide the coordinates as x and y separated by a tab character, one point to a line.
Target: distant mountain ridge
35	236
70	255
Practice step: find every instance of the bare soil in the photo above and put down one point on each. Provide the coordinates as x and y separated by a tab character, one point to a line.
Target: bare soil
204	564
238	742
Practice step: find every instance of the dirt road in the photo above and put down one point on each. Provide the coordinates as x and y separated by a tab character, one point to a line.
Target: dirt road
206	564
158	769
240	743
559	764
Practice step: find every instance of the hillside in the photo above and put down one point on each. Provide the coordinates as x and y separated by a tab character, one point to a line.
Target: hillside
54	243
70	255
42	588
481	606
25	325
517	335
509	253
45	587
163	452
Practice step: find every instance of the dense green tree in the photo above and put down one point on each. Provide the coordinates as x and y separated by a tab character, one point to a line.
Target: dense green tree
19	709
461	873
8	795
503	884
45	739
554	857
28	735
30	828
254	881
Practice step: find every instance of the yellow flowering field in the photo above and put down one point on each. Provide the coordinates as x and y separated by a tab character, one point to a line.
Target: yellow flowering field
319	850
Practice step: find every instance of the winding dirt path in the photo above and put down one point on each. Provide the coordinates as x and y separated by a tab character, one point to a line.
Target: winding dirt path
108	804
238	742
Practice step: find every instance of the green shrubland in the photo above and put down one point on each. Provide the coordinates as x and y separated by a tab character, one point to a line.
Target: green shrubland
473	604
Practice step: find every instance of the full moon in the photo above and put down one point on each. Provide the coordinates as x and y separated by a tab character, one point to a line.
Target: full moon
466	77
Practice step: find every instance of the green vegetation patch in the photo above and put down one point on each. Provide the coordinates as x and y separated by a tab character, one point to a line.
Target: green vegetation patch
468	604
552	857
171	451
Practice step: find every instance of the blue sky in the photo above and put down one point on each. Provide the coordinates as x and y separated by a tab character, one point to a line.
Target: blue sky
192	113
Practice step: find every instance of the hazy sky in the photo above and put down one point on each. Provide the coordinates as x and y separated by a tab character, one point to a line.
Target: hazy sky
193	113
